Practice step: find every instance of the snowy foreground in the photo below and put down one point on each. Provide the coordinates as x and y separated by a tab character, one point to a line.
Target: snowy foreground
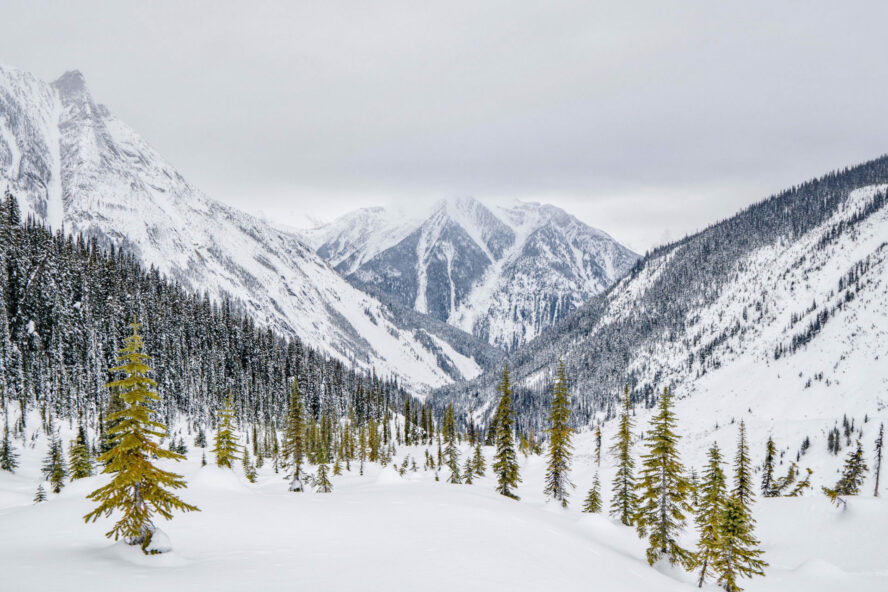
382	531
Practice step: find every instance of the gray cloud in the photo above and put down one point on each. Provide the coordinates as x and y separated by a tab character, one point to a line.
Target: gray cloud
648	119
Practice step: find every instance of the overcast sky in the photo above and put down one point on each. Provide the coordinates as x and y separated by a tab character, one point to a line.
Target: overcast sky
646	119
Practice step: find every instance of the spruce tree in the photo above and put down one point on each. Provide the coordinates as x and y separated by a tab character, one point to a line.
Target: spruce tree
479	465
624	502
54	467
592	503
80	459
8	455
598	445
560	448
323	483
739	555
294	438
768	486
505	463
226	444
852	476
249	469
663	503
138	489
451	452
877	468
40	496
709	516
468	471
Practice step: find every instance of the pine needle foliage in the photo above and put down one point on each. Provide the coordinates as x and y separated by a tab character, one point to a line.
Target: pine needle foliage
505	463
55	469
624	502
294	438
8	455
592	503
479	465
226	441
558	482
40	496
852	475
664	490
137	488
79	456
709	516
451	451
769	488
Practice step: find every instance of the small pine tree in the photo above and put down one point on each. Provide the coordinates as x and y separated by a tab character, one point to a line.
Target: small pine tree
802	485
79	457
479	465
558	482
203	459
451	452
8	455
200	441
137	487
598	445
624	503
323	485
592	503
768	486
54	467
742	471
226	444
505	463
249	469
877	468
709	516
852	476
40	496
468	471
664	489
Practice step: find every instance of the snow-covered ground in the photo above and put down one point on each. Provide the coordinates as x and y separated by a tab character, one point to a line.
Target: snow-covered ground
382	531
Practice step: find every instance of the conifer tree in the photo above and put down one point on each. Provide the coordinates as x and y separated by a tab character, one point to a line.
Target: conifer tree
468	471
138	489
200	441
505	463
802	485
694	482
80	460
8	455
479	465
451	452
768	486
624	502
663	503
560	448
226	444
54	467
249	469
598	445
40	496
877	468
592	503
852	476
323	484
739	555
294	439
709	516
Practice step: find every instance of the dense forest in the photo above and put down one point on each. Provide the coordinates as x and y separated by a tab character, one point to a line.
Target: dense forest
65	303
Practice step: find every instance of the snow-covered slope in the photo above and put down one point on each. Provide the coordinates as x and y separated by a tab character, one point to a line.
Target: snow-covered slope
785	300
501	273
71	162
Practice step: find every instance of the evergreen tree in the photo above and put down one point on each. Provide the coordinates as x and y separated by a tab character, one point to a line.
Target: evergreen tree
663	503
505	463
137	487
294	439
852	476
877	469
8	455
560	448
592	504
451	452
468	471
624	503
598	445
768	486
739	555
40	496
709	516
479	465
323	484
54	467
249	469
80	459
200	441
226	444
801	486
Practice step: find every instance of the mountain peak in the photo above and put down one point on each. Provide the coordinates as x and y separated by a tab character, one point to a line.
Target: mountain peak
70	83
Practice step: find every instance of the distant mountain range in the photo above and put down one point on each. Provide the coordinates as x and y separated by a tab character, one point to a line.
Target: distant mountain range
501	273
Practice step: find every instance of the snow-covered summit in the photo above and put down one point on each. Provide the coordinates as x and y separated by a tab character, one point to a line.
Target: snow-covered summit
503	273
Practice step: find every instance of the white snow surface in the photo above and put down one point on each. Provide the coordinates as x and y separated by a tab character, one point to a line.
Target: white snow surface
110	184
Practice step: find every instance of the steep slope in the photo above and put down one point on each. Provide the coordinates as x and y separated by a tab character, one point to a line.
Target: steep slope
503	274
786	299
71	162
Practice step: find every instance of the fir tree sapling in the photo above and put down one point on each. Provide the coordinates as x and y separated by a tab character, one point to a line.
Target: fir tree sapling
137	488
54	468
79	456
40	496
8	455
558	481
592	503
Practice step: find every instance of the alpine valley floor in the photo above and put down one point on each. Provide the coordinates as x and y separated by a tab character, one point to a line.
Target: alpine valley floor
382	531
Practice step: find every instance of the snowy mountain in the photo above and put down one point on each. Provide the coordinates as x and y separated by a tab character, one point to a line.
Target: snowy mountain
72	163
781	308
503	274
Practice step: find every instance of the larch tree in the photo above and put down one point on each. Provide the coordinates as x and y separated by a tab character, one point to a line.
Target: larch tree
137	488
505	463
624	502
592	503
294	438
739	556
226	441
558	482
664	489
709	516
